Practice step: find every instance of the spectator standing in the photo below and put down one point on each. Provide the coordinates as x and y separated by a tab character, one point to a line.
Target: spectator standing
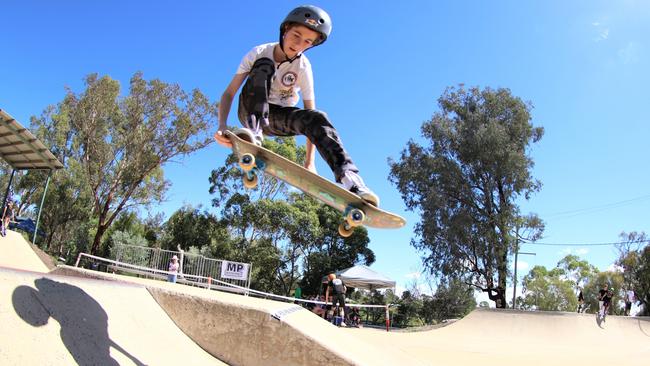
629	299
607	301
338	291
581	300
601	300
7	215
173	269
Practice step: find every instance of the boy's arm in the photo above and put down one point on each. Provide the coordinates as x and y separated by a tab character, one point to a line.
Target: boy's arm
224	108
310	154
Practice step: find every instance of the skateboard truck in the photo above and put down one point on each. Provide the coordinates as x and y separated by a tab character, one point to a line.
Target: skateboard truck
251	168
353	217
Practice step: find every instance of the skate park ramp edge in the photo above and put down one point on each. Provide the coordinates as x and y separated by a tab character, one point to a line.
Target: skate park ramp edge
242	330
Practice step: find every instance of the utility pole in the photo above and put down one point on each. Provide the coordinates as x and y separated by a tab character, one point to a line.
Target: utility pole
514	289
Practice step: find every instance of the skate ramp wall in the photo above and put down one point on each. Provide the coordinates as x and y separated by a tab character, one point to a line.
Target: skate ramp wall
58	320
17	253
510	337
242	330
127	320
72	315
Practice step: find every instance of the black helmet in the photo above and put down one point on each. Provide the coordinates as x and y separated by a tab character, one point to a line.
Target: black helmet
311	17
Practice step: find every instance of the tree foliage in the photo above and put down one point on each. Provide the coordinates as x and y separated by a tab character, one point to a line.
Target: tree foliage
465	184
556	289
548	290
634	260
641	279
113	147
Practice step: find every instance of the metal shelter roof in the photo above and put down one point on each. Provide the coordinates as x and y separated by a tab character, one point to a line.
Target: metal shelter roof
21	149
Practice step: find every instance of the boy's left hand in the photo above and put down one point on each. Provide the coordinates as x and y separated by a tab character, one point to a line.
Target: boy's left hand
311	167
221	138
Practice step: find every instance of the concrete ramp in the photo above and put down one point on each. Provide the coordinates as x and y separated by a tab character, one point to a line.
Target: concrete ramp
244	330
72	315
55	320
510	337
16	252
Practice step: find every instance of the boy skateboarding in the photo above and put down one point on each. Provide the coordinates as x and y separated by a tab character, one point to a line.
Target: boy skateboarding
274	74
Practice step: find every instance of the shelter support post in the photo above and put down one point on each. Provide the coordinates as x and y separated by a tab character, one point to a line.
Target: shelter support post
11	179
40	208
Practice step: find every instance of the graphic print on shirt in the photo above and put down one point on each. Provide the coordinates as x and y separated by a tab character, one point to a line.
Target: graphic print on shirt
286	93
289	79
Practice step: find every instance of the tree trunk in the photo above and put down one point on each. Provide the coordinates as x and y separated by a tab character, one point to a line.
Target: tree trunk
503	277
498	295
101	229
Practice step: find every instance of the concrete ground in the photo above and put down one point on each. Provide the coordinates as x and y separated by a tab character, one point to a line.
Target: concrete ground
511	337
71	315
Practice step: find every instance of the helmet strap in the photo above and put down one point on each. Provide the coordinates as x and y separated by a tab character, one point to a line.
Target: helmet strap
286	58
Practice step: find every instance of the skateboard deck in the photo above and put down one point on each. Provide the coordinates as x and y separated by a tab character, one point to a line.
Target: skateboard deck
255	160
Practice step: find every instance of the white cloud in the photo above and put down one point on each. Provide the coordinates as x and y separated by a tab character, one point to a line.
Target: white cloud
413	275
399	289
630	53
602	32
568	250
522	265
615	268
482	296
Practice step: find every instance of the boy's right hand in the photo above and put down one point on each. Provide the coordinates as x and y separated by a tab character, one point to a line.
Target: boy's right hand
220	137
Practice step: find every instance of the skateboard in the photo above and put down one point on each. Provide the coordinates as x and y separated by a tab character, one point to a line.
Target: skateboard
255	160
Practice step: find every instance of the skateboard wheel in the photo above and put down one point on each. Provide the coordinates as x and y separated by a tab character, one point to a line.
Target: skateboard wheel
250	180
355	217
345	230
247	162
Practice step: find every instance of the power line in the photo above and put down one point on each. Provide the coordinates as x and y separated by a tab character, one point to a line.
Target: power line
593	209
587	244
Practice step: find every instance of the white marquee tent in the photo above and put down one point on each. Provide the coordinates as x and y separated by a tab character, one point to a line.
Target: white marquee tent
362	277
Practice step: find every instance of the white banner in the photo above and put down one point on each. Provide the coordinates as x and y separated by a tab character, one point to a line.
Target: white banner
234	270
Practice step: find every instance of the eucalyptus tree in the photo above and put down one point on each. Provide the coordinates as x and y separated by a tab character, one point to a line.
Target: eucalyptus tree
465	177
115	146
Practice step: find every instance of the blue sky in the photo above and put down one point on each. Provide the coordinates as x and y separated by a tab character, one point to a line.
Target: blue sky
582	64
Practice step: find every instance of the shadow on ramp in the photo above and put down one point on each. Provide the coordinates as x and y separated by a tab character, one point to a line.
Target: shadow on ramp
84	323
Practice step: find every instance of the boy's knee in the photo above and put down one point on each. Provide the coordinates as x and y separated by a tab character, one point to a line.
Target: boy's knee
263	67
319	118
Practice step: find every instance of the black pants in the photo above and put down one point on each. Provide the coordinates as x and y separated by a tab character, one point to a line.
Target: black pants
291	121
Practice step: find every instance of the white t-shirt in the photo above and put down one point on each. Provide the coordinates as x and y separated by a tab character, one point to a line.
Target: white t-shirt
290	77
